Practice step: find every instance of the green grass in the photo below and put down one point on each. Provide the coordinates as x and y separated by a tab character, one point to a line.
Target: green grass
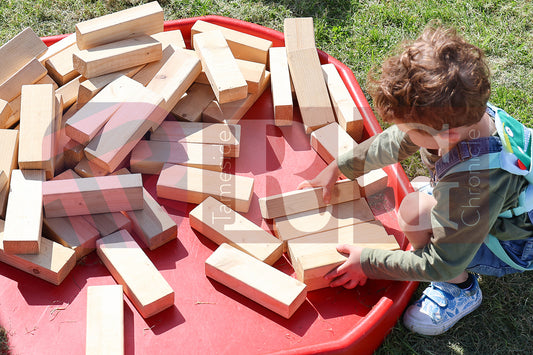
361	34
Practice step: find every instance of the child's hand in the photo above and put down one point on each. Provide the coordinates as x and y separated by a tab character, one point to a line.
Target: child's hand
349	274
325	179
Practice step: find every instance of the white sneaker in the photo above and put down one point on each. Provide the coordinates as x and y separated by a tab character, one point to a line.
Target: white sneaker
441	306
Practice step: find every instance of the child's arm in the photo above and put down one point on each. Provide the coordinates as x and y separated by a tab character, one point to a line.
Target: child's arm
325	179
349	274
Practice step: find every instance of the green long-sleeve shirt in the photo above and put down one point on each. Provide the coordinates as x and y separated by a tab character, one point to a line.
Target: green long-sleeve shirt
467	209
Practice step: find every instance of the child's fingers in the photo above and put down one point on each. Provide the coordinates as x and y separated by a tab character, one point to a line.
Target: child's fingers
304	185
326	194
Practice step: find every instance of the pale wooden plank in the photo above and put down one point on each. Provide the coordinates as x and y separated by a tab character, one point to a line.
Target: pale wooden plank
148	157
53	263
60	138
347	113
149	71
105	320
3	180
89	120
24	215
373	182
331	141
72	232
232	112
69	91
280	85
220	66
37	128
173	79
221	224
117	56
90	87
85	168
299	33
105	223
57	47
125	129
152	224
144	285
18	51
9	140
196	99
311	91
61	67
315	255
239	271
6	111
145	19
30	73
182	183
228	135
297	201
73	153
100	194
242	45
322	219
167	38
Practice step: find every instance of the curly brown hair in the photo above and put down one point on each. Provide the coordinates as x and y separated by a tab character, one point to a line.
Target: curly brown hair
439	80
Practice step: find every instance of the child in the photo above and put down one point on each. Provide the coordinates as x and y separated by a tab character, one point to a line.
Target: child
435	93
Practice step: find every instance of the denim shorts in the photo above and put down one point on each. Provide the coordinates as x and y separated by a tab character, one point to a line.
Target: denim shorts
485	262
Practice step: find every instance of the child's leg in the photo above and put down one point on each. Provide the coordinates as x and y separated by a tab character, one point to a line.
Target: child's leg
414	218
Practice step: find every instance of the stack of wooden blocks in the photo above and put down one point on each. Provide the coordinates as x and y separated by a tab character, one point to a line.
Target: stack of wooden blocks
121	94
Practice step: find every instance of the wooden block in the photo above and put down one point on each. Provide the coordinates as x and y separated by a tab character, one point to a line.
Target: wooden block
24	215
174	78
105	223
170	38
242	45
220	66
315	255
196	99
228	135
37	128
60	138
73	153
117	56
139	20
149	71
73	232
297	201
90	87
15	104
182	183
86	168
3	180
256	280
61	67
57	47
148	157
331	141
373	182
18	51
322	219
253	73
310	87
105	320
348	115
125	129
144	285
232	112
52	264
89	120
153	224
9	140
280	85
69	91
30	73
221	224
6	111
299	33
100	194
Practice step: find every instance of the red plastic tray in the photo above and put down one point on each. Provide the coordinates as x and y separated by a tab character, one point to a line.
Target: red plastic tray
207	317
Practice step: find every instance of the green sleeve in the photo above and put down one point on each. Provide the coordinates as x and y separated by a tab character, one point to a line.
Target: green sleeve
389	147
467	209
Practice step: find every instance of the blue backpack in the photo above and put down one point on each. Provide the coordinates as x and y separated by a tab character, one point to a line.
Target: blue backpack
511	150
